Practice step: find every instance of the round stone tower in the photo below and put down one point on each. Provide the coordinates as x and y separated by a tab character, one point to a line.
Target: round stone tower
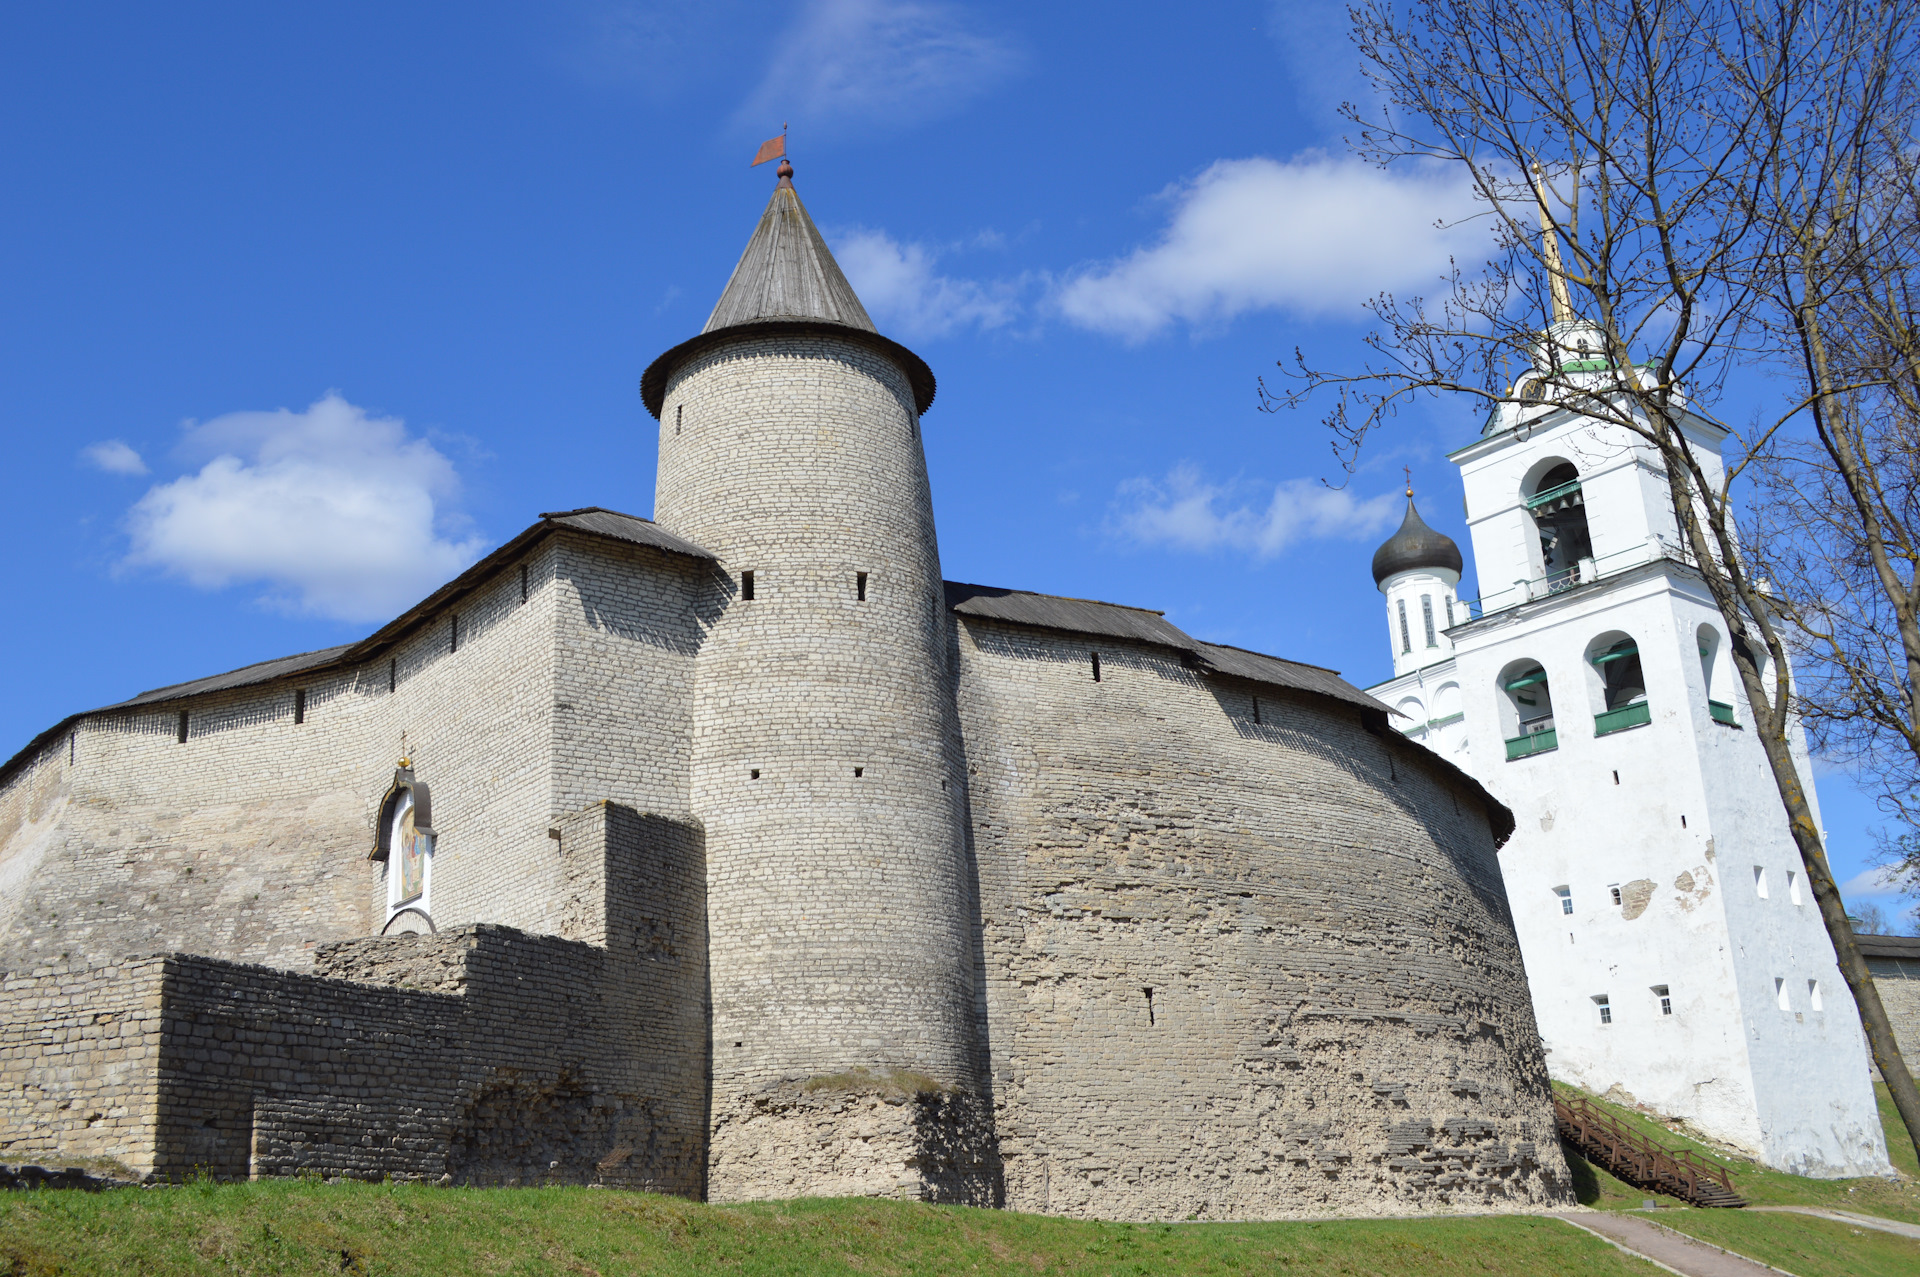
827	765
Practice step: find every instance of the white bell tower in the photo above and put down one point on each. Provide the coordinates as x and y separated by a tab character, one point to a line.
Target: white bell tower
1672	947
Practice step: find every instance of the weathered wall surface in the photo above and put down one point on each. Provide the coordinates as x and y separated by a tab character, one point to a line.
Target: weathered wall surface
79	1063
1236	968
485	1055
826	758
629	623
249	841
1898	980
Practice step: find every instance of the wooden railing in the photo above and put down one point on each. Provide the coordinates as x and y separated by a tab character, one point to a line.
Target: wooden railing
1612	1146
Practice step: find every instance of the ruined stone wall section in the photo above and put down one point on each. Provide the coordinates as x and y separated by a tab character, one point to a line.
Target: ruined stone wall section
1236	968
482	1056
826	761
79	1054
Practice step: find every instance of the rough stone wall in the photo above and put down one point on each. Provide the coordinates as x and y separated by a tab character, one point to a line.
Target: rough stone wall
1236	968
826	762
249	841
484	1056
79	1054
1898	980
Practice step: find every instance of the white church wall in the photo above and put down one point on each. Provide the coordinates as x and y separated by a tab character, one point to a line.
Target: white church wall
1418	605
1674	814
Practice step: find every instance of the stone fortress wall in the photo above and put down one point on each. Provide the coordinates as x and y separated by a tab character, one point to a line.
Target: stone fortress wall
480	1055
992	922
1240	963
249	840
827	757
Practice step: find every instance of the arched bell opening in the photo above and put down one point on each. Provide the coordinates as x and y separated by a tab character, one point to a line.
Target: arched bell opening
1526	710
1618	683
1559	511
1718	677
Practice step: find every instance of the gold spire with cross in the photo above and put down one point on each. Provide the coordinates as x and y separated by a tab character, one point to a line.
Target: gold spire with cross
1550	249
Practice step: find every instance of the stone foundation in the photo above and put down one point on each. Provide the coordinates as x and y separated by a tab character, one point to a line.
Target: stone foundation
857	1135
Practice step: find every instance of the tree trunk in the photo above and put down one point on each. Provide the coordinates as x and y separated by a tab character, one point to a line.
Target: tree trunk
1833	912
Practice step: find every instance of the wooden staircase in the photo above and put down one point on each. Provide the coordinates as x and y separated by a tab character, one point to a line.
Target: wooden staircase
1608	1144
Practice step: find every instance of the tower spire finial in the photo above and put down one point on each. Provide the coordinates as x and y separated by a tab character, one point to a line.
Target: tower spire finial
1550	249
1409	472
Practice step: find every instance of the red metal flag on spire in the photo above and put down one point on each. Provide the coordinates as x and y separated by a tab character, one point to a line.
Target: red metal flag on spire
771	149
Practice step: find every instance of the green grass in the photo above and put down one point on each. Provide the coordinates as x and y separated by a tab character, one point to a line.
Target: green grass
292	1226
1763	1187
1797	1243
1801	1245
283	1226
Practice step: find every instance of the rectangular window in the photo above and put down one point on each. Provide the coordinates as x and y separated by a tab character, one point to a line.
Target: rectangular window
1606	1008
1566	898
1780	994
523	583
1426	612
181	736
1793	886
746	586
1256	709
860	586
1813	994
1760	881
393	673
1096	666
453	633
1666	999
299	705
1406	639
1613	889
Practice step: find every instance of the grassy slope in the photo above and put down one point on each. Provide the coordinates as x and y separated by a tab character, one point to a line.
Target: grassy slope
287	1226
1808	1247
290	1227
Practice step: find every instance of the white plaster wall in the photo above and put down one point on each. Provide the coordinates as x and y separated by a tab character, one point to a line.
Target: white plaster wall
1409	588
1728	1058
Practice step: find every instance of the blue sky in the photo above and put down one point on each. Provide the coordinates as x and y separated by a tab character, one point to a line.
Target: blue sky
376	283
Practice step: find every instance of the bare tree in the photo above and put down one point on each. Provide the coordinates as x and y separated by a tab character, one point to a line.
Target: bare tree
1628	158
1837	522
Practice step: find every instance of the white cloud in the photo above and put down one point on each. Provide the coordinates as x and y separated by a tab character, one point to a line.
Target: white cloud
897	284
114	457
1313	235
1882	883
890	63
1187	512
337	513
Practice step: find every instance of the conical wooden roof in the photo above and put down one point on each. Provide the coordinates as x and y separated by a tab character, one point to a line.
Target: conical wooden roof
787	282
787	273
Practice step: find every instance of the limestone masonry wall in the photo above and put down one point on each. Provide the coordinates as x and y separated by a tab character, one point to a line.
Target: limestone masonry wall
79	1059
826	757
249	840
1238	963
1898	980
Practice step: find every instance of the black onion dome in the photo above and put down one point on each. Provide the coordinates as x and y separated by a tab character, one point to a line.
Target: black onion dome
1413	547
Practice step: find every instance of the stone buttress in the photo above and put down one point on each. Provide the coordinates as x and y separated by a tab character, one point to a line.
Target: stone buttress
827	765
